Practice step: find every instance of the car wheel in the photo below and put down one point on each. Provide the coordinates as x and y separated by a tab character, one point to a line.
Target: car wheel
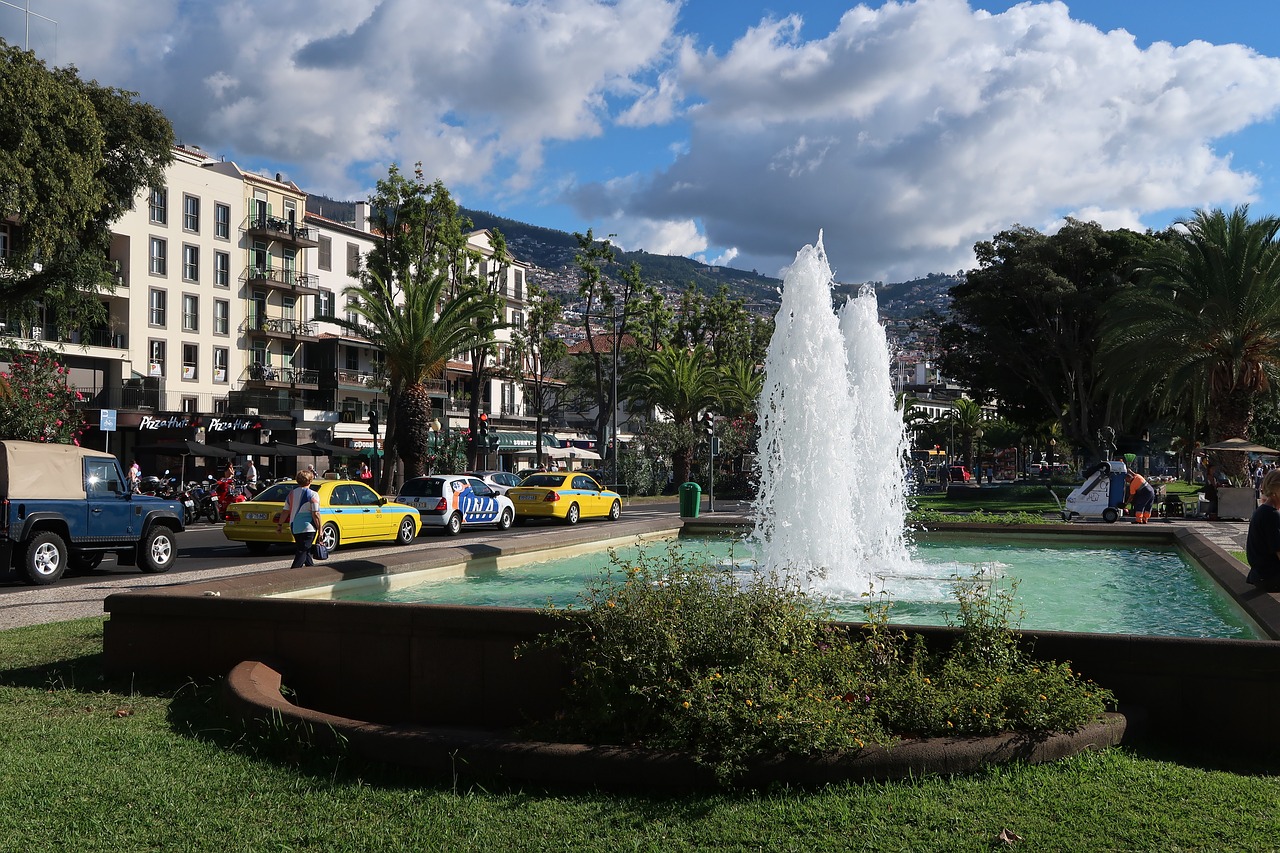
406	533
258	549
157	550
329	536
572	516
46	558
453	525
615	511
1109	515
504	520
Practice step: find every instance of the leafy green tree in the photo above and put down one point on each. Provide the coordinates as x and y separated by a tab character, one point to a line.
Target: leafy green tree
1207	323
604	302
36	401
73	156
683	383
965	419
423	301
1026	324
741	383
535	351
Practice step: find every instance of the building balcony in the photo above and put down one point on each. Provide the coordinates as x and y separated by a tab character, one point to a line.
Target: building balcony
291	281
280	328
283	231
266	376
358	379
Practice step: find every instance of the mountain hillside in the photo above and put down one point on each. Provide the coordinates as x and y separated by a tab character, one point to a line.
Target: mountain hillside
551	253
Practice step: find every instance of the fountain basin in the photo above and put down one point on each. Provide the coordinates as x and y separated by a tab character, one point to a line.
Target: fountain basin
438	669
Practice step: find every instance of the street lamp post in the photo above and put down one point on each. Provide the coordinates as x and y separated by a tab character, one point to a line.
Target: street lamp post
434	443
977	435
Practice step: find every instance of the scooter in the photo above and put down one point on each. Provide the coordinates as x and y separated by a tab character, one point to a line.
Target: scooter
227	492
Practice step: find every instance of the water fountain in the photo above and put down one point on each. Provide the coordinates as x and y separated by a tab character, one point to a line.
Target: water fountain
831	505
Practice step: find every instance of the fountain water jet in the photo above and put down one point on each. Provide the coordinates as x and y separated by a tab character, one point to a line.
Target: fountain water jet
831	505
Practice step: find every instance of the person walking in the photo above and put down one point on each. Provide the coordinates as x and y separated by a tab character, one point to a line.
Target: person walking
135	475
302	511
251	476
1262	547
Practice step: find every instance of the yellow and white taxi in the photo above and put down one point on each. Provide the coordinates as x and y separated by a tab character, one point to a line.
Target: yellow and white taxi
565	495
350	512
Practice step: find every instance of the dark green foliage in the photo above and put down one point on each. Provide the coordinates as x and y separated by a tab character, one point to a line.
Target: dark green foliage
673	652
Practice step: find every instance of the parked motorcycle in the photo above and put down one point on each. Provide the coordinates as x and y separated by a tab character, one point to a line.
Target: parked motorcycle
206	502
227	492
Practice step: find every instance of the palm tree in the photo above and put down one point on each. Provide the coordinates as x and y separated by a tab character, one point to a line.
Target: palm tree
682	383
741	383
419	330
966	418
1208	320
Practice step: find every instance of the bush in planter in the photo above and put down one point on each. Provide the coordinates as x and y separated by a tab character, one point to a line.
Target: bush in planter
675	653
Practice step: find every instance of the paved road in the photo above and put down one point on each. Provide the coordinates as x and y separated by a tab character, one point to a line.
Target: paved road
205	554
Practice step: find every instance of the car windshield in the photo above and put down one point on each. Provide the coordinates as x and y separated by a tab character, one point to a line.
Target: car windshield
426	487
277	493
552	480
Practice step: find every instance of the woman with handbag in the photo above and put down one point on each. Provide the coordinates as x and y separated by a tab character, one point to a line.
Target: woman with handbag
302	511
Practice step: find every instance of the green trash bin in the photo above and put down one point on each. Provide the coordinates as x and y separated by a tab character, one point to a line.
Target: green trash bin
690	500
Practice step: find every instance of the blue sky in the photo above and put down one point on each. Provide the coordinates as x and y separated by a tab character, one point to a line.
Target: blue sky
728	131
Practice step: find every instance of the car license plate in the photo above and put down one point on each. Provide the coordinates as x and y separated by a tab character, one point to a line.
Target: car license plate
256	516
528	497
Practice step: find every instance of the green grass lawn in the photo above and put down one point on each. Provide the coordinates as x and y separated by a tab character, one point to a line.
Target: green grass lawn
88	766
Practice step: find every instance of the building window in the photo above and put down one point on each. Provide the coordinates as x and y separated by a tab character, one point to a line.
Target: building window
326	253
222	221
353	259
220	364
191	263
260	354
288	307
159	206
155	366
190	358
4	240
221	317
517	319
157	307
353	358
191	213
260	259
159	257
220	406
222	269
324	304
190	313
189	405
352	316
519	277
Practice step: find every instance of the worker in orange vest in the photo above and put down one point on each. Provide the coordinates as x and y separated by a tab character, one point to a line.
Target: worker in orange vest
1140	494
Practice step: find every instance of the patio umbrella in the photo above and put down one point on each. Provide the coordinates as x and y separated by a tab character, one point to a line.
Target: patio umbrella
319	448
183	449
282	449
1242	445
244	448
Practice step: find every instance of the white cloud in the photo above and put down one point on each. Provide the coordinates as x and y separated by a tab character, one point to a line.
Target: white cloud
913	130
658	237
341	87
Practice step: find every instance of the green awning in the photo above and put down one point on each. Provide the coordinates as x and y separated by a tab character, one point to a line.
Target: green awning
516	441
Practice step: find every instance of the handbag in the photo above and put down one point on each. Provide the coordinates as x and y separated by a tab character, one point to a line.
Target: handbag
319	551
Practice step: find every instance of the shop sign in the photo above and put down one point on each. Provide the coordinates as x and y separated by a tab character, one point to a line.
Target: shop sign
169	422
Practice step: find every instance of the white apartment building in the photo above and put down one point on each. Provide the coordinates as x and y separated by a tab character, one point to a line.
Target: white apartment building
213	332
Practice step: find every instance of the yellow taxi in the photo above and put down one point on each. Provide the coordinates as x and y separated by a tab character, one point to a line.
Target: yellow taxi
566	495
350	512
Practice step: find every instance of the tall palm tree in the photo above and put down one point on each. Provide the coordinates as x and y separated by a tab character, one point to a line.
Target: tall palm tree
965	418
741	383
419	329
1207	321
681	383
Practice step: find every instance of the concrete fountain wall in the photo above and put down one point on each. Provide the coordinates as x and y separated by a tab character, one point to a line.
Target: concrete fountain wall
429	680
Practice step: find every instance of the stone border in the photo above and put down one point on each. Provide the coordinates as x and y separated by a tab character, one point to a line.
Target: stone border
252	693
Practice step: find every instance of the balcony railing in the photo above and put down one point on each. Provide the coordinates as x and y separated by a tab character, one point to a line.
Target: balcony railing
280	277
279	326
281	229
283	375
357	377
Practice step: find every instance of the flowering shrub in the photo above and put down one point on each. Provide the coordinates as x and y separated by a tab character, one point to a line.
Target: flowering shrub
682	654
36	401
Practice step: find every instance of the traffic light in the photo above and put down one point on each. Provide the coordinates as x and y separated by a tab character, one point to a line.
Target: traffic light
482	432
373	421
709	423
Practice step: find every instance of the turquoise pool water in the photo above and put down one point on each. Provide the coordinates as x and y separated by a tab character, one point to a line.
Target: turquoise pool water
1111	590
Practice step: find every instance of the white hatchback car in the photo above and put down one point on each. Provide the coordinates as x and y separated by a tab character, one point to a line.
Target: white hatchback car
450	502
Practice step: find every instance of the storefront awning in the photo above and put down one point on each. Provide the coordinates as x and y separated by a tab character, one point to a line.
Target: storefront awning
514	442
